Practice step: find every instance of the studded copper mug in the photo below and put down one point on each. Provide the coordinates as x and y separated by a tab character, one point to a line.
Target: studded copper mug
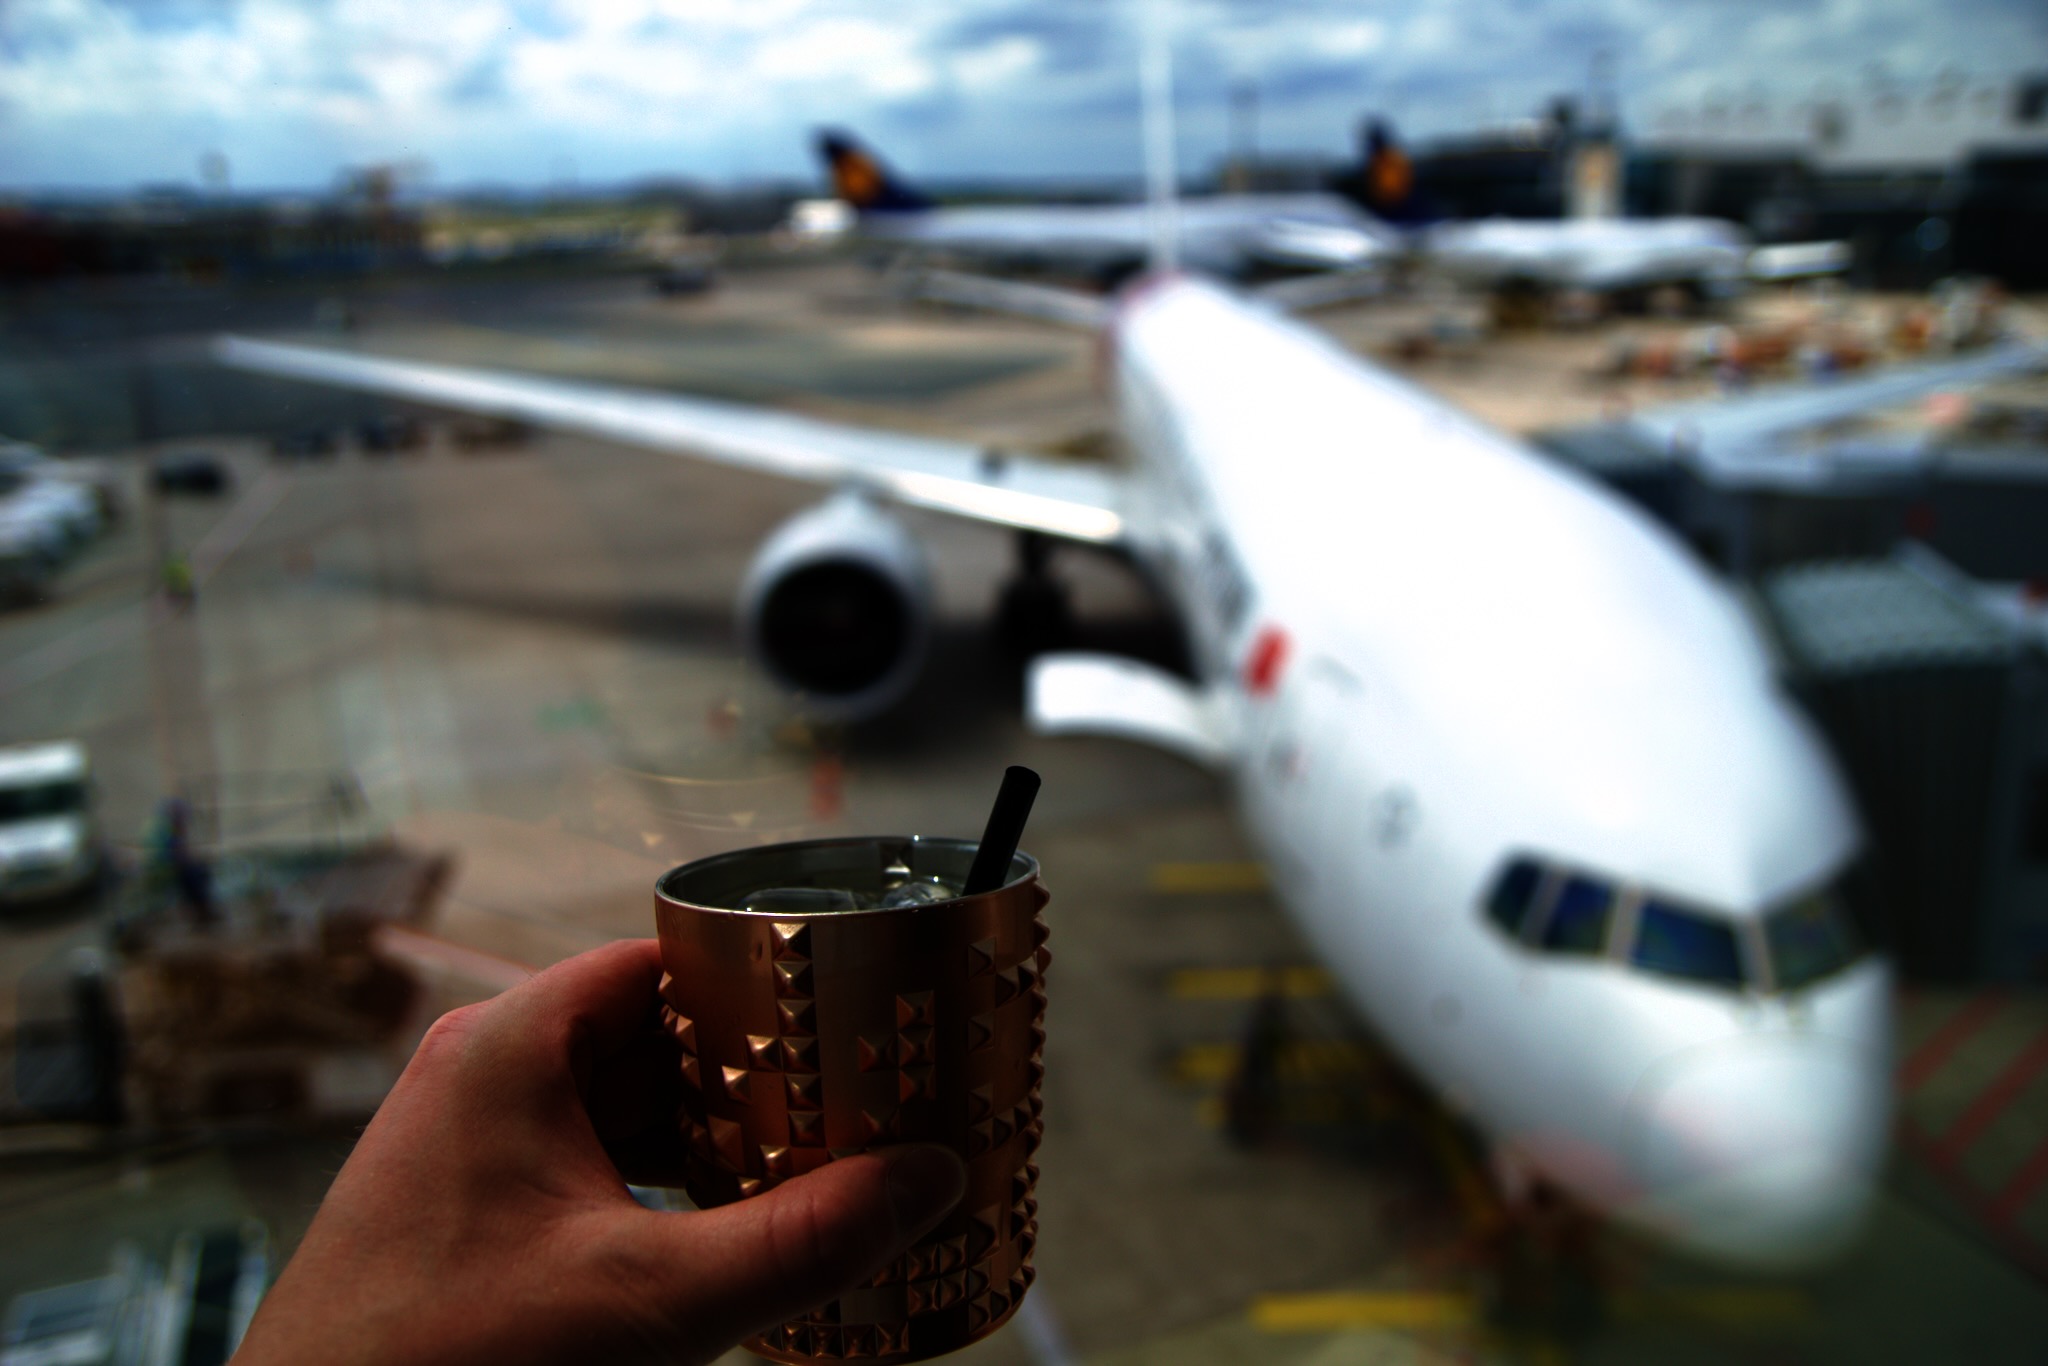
809	1037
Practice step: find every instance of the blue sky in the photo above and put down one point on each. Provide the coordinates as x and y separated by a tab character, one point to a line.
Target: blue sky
113	93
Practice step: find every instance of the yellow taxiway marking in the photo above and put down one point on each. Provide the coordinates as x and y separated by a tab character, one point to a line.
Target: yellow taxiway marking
1309	1059
1208	877
1336	1311
1362	1309
1248	984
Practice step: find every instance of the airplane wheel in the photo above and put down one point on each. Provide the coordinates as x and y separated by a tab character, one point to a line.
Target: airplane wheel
1252	1101
1035	613
1034	616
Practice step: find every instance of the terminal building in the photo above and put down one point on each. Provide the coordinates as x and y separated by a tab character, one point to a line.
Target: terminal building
1922	182
1935	702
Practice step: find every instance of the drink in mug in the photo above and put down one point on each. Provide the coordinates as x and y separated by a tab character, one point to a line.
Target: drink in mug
832	996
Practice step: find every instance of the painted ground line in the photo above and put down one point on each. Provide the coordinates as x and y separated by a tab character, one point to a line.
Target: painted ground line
1199	878
2022	1185
1333	1312
230	531
1929	1057
53	657
1994	1100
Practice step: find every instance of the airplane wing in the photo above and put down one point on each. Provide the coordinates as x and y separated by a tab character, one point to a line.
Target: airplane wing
1063	306
1077	503
1327	289
1729	433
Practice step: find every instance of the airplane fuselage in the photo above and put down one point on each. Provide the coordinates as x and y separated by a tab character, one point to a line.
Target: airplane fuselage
1442	655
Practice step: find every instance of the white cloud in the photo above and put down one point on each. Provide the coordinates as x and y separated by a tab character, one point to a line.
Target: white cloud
980	70
119	91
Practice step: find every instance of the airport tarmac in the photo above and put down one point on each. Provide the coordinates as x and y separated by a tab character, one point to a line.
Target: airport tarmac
526	656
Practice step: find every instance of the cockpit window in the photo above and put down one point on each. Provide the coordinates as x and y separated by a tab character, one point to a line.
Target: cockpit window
1683	943
1513	895
1809	940
1578	920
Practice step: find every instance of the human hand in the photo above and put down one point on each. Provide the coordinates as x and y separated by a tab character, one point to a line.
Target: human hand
484	1215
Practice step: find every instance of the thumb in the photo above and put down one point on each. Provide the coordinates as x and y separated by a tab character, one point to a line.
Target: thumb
752	1264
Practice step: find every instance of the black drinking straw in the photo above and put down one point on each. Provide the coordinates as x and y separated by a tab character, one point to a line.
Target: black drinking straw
1005	827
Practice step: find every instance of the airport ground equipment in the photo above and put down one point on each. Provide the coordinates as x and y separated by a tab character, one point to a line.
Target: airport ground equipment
190	1309
98	480
281	1007
50	510
1736	480
200	473
1937	706
49	838
244	983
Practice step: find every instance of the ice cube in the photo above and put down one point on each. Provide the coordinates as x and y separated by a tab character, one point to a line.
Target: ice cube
922	892
799	900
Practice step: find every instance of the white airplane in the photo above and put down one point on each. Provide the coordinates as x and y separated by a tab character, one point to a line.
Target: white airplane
1601	255
1237	235
1225	235
1516	761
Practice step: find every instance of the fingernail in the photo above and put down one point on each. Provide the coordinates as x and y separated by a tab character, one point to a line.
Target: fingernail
924	1182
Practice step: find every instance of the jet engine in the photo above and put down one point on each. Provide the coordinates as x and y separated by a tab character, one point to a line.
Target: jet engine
836	607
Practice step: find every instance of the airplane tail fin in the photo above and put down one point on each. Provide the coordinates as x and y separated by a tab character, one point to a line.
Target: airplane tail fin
860	178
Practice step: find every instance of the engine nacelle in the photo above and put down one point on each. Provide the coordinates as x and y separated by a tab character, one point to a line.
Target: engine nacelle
837	606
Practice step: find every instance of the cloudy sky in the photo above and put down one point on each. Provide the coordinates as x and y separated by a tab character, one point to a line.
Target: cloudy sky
112	93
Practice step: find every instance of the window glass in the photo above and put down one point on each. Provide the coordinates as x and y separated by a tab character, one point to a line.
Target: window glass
1513	894
48	799
1808	940
1686	944
1578	922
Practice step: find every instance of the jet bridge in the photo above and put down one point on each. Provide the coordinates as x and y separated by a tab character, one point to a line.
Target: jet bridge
1936	704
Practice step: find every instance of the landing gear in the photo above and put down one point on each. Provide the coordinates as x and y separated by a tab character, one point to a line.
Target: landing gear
1542	1268
1035	613
1252	1101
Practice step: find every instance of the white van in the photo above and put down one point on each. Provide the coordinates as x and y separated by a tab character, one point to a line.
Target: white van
49	841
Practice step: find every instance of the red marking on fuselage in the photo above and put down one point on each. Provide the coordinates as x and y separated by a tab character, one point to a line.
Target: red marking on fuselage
1264	663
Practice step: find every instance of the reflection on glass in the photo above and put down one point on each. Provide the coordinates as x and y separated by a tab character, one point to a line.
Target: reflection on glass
1686	944
1578	922
1809	939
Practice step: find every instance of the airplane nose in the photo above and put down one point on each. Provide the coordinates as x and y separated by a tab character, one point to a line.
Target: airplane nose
1763	1152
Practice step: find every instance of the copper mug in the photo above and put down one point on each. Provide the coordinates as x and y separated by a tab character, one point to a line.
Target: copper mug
809	1037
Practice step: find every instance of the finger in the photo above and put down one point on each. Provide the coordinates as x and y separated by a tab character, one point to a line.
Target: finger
743	1267
585	1007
